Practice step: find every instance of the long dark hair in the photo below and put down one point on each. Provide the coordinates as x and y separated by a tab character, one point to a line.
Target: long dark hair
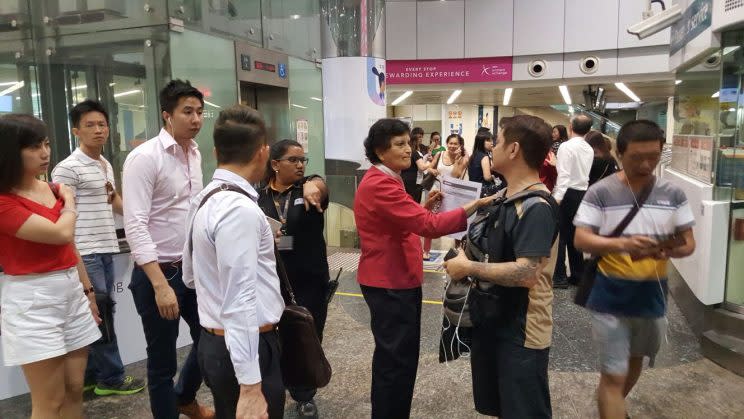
480	141
562	132
17	131
277	150
598	143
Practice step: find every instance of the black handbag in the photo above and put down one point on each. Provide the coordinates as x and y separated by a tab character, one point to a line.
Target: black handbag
590	267
106	311
303	361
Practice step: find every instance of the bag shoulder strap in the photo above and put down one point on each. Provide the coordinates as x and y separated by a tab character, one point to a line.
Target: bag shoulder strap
285	286
640	200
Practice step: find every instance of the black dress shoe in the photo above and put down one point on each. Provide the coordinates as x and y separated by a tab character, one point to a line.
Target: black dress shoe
560	283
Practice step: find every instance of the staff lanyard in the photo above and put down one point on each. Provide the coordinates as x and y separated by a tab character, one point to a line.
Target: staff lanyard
282	214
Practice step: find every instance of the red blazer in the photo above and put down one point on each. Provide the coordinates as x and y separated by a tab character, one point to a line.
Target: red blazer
389	223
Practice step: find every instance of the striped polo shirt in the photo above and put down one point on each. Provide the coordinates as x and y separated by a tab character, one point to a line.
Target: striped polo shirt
95	231
624	286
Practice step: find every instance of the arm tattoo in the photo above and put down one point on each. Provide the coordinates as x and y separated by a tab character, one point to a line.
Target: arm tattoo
508	274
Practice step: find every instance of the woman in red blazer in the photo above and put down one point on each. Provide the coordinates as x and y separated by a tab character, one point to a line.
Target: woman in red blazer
391	266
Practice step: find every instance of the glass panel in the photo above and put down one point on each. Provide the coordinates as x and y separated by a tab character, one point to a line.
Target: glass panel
120	69
209	63
306	111
695	120
234	19
297	21
18	88
15	19
58	17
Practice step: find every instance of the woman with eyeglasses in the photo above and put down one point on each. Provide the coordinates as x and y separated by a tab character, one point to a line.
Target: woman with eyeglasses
301	243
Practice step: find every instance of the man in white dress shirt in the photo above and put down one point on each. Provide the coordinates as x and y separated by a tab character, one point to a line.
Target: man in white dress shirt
574	161
229	260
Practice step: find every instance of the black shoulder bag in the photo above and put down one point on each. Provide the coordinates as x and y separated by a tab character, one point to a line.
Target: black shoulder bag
590	268
302	360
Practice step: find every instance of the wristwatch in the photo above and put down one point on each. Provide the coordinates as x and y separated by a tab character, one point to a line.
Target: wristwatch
89	291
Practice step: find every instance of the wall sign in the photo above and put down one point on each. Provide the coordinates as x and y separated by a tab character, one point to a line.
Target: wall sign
303	129
261	66
245	62
469	70
696	18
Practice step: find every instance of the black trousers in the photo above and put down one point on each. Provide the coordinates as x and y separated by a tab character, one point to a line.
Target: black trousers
219	374
396	327
314	299
567	212
509	380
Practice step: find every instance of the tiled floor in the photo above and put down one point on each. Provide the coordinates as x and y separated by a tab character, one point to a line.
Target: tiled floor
683	384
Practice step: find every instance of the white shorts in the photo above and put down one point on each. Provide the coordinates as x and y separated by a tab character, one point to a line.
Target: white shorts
44	316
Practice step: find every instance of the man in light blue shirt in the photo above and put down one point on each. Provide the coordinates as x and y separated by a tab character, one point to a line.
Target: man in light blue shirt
229	259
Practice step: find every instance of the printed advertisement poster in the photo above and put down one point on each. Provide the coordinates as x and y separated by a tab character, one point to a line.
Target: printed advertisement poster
302	133
454	122
486	115
376	80
467	70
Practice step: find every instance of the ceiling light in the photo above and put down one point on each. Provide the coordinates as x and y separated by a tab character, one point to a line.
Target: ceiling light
564	93
507	95
294	17
627	92
127	93
677	81
729	50
716	94
8	83
12	88
316	98
453	96
299	106
730	109
212	104
402	97
18	98
82	86
112	84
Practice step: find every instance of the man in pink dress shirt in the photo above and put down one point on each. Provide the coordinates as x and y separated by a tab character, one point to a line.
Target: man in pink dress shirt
160	178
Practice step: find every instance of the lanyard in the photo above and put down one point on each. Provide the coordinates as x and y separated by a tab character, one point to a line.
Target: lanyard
282	214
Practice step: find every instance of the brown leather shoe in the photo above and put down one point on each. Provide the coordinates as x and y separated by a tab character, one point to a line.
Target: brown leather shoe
195	411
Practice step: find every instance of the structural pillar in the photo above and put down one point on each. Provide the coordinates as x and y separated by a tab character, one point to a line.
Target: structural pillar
353	51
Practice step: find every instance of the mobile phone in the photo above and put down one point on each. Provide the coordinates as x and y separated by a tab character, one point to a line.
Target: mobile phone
675	240
452	253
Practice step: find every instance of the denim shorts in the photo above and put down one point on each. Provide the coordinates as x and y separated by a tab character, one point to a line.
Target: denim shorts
620	338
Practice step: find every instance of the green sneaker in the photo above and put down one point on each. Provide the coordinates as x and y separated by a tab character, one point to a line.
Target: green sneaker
130	385
88	387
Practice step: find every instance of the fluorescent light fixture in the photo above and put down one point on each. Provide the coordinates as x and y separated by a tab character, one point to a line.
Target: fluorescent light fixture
402	97
507	95
564	93
12	88
18	98
454	96
316	98
112	84
128	92
730	109
677	81
729	50
294	17
627	92
82	86
299	106
8	83
212	104
714	95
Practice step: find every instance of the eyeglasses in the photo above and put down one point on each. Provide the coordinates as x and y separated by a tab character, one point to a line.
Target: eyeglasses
295	160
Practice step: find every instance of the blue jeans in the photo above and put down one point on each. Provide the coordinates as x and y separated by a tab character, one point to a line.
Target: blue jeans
161	336
104	362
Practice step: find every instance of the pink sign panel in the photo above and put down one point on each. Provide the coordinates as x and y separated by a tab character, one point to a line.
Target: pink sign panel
468	70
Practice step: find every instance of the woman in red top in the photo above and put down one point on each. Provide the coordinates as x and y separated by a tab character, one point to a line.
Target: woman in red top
390	271
47	320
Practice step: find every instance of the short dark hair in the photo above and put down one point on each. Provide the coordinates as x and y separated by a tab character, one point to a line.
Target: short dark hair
637	131
480	140
278	149
417	131
238	133
86	106
379	136
562	132
17	131
581	124
175	90
532	134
